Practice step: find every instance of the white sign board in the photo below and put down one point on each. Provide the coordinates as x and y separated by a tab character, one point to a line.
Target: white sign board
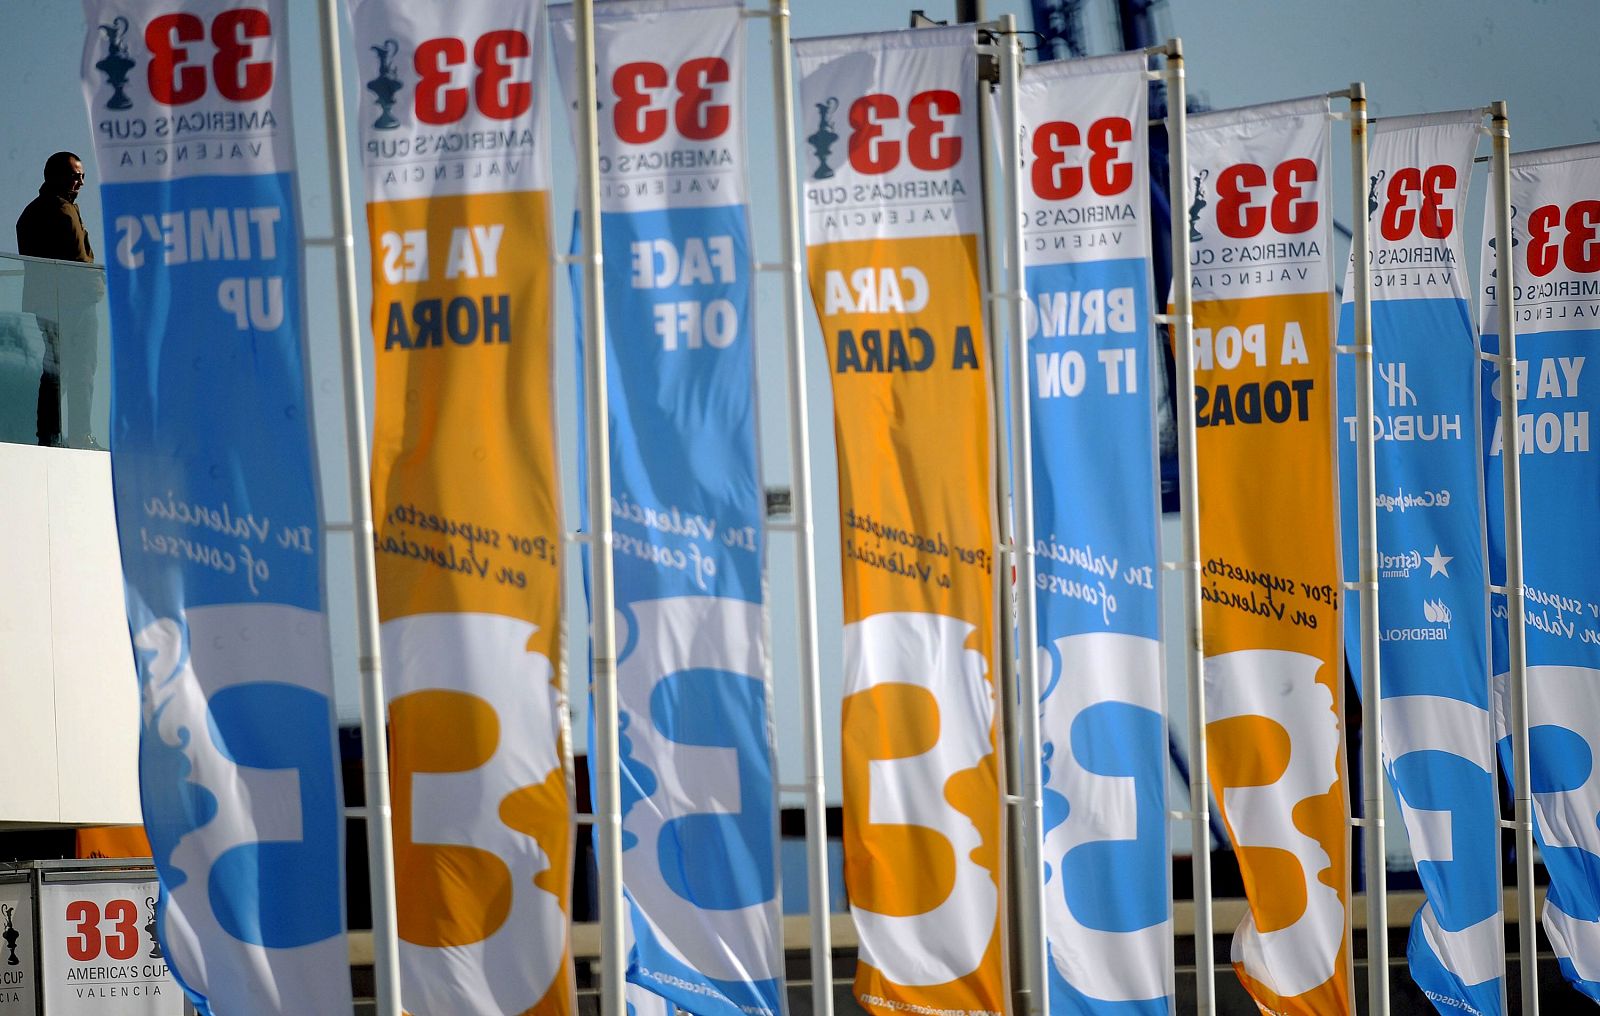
99	951
17	951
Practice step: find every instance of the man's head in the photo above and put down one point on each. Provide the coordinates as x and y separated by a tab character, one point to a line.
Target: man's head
63	174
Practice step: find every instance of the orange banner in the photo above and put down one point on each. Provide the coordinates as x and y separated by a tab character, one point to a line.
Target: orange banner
464	466
894	274
1270	581
113	841
468	532
466	506
921	816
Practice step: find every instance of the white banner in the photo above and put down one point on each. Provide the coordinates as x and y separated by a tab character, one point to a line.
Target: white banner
1555	234
699	825
19	951
1419	169
1438	743
672	132
1259	178
1086	163
893	235
1555	247
466	501
455	102
99	951
214	477
1086	249
901	104
182	88
1271	586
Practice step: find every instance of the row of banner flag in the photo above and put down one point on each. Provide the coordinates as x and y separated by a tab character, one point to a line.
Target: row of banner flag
218	512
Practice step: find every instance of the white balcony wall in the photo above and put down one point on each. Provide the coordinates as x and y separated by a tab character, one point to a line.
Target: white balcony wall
69	703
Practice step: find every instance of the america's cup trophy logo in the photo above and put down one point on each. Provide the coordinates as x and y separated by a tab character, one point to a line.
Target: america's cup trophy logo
1197	203
386	85
150	929
116	64
821	140
10	936
1372	192
1515	243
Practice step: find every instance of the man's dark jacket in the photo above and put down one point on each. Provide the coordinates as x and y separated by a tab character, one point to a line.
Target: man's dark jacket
50	227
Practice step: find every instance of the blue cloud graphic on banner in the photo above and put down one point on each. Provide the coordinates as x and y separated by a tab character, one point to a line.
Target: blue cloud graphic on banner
173	804
638	782
275	920
719	861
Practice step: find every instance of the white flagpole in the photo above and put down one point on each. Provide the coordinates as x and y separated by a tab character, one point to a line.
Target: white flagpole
603	753
374	708
1372	775
800	496
1181	323
1003	605
800	487
1027	882
1511	471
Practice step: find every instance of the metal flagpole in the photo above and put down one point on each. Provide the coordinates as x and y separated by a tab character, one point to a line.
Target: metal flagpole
1011	762
374	708
1372	775
1027	879
1510	455
800	486
603	753
1181	323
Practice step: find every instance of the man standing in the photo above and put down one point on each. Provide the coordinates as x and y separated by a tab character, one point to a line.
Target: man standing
61	299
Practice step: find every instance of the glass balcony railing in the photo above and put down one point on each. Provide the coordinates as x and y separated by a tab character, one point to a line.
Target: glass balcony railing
54	353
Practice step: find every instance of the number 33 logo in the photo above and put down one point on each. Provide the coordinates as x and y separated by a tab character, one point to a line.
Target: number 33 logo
480	813
917	715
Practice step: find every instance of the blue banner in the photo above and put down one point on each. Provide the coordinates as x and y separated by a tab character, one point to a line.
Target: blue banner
1433	620
216	500
699	810
1091	345
1555	198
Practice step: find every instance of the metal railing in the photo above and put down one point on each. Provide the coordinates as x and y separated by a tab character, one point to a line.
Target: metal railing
54	353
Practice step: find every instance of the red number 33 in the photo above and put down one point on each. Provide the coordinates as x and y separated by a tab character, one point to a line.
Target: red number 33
178	78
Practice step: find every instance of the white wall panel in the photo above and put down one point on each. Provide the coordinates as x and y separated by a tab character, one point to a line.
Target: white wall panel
69	722
97	696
